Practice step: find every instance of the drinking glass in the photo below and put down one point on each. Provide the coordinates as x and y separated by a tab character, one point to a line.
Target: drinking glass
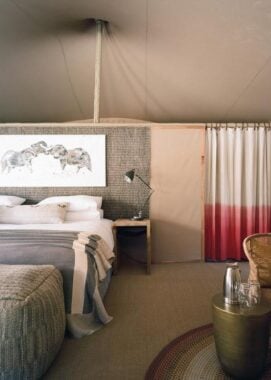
244	294
254	292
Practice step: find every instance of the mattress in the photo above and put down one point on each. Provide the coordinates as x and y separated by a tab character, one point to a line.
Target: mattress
101	227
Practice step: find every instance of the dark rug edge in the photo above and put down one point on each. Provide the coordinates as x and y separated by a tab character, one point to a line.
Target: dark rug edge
154	364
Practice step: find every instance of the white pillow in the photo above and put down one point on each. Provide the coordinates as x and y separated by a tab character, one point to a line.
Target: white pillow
76	202
10	200
78	216
33	214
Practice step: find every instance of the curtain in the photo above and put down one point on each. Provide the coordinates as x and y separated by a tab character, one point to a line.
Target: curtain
238	188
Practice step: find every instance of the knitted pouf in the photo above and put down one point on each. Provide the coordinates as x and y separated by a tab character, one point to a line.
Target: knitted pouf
32	319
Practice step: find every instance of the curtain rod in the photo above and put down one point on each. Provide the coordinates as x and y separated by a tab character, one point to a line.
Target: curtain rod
238	125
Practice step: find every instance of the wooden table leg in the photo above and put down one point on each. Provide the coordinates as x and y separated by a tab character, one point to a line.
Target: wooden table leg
116	261
148	228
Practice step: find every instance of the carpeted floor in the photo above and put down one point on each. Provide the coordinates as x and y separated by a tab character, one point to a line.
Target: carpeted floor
149	311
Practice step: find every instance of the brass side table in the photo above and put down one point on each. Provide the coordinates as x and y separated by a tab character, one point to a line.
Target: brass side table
241	337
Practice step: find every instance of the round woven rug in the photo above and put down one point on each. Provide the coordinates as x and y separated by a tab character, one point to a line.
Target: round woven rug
192	356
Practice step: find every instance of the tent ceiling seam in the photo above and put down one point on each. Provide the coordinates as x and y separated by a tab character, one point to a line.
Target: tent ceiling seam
250	82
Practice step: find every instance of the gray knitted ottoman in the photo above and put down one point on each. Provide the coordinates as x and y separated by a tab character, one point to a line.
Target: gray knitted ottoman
32	319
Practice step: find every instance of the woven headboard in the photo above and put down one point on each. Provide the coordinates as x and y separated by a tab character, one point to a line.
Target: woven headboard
126	148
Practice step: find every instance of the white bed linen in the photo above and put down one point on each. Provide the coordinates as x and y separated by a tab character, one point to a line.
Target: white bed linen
101	227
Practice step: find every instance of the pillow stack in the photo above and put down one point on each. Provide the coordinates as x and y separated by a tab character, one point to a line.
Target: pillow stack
79	207
52	210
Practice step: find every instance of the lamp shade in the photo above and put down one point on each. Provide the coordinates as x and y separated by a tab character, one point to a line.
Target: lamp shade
129	176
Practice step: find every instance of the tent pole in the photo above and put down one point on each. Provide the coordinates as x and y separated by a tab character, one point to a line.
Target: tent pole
98	59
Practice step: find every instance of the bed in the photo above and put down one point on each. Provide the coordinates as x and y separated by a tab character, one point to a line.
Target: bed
81	250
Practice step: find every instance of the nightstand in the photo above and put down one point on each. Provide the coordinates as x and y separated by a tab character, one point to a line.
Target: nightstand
133	223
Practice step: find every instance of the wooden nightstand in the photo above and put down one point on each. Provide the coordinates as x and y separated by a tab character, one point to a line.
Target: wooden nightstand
133	223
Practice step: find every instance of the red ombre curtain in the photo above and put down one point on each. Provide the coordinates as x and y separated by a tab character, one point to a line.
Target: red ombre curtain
238	188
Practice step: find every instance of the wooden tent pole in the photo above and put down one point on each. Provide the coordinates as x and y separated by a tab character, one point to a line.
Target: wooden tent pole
98	59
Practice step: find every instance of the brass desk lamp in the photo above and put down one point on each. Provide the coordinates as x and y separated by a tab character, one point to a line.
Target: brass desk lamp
129	177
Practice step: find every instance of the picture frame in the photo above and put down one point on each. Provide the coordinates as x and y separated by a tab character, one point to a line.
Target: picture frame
53	160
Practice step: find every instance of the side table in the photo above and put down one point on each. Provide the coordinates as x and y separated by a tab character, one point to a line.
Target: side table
241	337
133	223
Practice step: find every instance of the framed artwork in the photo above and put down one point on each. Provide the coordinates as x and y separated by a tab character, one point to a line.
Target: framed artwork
52	160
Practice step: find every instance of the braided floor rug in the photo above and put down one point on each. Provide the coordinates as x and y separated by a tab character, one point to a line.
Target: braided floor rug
192	356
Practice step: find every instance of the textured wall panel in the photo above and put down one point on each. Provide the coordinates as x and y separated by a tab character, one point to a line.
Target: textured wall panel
126	148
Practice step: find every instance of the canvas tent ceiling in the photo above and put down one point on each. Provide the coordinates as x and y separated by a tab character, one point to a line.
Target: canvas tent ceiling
163	60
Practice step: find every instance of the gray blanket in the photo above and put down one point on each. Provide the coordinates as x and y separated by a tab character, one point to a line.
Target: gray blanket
78	256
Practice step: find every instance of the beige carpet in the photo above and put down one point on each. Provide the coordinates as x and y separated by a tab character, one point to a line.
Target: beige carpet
149	311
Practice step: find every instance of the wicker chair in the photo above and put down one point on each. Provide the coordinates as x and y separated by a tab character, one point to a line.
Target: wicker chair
257	248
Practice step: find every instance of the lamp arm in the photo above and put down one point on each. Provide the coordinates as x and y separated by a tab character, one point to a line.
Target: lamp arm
147	199
142	180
